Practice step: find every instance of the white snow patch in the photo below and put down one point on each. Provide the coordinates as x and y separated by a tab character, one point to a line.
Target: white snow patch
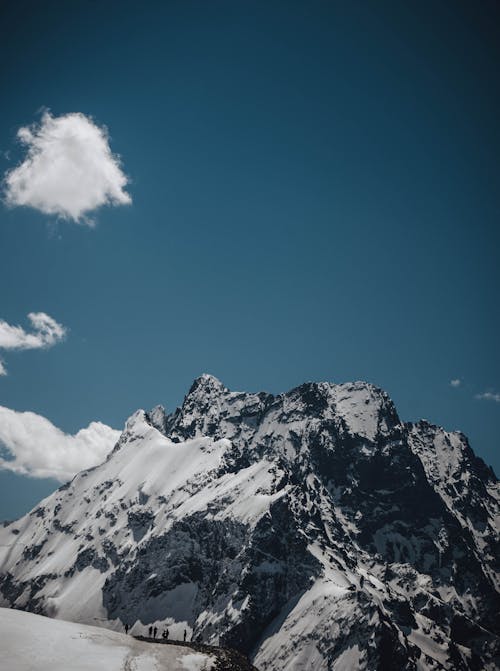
58	646
196	661
348	660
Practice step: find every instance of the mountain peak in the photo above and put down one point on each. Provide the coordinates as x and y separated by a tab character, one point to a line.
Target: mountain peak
206	383
158	418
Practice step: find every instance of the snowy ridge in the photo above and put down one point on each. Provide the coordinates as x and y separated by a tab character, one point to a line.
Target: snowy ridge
310	530
55	644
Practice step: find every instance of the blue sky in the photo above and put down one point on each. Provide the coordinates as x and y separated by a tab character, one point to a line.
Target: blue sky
315	197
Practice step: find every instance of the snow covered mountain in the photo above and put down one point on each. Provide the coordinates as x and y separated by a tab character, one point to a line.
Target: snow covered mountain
311	530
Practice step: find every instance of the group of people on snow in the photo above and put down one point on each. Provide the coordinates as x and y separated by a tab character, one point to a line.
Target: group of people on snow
153	632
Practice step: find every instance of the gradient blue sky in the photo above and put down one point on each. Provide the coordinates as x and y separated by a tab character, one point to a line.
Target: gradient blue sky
315	197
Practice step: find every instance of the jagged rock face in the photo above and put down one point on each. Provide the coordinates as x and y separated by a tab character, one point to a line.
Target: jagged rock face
311	530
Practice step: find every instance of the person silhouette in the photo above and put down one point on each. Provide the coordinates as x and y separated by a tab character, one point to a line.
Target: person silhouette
150	630
185	635
126	628
166	634
155	631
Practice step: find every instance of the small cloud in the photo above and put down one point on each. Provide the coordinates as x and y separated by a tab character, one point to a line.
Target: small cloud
69	170
489	396
46	333
456	382
33	446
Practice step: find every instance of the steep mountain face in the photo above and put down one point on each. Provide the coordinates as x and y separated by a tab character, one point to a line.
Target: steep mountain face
310	530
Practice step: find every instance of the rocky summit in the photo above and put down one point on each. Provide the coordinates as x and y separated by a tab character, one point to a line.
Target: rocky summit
311	530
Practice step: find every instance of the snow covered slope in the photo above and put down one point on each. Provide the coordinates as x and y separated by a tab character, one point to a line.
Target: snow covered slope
34	642
310	530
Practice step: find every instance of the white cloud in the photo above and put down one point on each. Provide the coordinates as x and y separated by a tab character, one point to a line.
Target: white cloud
456	382
37	448
488	396
46	333
69	169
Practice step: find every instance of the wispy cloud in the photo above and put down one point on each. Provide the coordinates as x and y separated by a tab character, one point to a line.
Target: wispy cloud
33	446
456	382
45	333
489	396
69	169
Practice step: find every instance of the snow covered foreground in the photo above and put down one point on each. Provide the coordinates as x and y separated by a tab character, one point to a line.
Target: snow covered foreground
29	642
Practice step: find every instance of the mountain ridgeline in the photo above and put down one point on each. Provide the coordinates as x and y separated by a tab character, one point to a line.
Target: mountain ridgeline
311	530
